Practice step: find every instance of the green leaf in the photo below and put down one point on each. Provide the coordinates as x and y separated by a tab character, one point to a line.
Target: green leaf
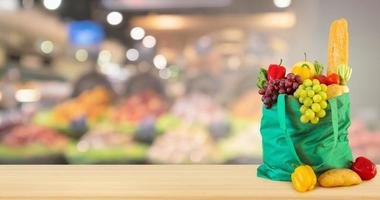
262	78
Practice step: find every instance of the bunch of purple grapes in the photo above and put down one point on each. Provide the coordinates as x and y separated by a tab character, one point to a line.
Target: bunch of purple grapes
273	88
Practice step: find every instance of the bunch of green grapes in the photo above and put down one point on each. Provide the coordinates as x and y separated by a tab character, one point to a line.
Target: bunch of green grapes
312	95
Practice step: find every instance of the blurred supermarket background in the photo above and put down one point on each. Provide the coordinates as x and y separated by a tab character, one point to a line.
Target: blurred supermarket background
165	81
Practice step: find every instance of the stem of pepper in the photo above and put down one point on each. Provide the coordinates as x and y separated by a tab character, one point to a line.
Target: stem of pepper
305	65
280	63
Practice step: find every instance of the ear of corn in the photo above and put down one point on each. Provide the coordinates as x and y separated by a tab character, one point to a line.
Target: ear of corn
338	45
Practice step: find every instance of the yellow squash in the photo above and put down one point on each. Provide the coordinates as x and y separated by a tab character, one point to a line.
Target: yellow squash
338	45
338	178
304	178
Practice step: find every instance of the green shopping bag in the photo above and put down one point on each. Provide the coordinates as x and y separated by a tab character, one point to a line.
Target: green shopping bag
288	143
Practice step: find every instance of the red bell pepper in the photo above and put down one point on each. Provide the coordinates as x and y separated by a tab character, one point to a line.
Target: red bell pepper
276	72
333	79
365	168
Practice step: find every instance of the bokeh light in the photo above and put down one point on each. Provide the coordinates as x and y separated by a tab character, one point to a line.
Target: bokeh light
81	55
149	41
132	54
47	46
114	18
52	4
160	61
282	3
137	33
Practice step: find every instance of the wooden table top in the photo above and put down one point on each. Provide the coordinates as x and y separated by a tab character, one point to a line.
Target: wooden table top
159	182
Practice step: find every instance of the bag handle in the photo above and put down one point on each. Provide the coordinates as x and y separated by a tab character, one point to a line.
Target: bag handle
334	119
281	105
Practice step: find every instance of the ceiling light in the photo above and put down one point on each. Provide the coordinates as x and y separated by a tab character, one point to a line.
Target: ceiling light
137	33
282	3
114	18
149	41
160	61
52	4
132	54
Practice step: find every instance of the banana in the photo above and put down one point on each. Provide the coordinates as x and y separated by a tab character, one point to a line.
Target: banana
338	45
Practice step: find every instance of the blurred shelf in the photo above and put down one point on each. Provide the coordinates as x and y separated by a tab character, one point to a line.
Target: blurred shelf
159	182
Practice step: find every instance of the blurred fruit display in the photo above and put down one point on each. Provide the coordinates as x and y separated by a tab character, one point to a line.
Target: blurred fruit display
247	106
364	141
139	106
146	131
183	145
106	147
9	120
90	104
30	143
243	146
219	129
198	108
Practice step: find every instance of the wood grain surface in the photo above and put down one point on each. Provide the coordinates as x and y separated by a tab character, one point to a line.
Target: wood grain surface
159	182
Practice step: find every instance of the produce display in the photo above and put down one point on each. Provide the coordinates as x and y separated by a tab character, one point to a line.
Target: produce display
182	145
9	120
31	142
364	141
302	112
247	106
30	134
306	95
242	145
105	147
139	106
198	108
91	104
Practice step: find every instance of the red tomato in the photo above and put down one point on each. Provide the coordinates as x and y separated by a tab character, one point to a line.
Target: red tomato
322	79
333	79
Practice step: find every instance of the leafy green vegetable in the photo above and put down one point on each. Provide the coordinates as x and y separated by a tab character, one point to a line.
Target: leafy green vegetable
318	68
262	78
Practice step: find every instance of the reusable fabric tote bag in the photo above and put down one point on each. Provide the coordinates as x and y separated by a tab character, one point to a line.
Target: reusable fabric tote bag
288	143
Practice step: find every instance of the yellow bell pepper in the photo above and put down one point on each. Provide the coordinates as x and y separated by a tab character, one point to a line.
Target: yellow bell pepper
304	178
304	69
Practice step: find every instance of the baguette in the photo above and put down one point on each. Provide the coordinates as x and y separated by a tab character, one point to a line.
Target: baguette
337	46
